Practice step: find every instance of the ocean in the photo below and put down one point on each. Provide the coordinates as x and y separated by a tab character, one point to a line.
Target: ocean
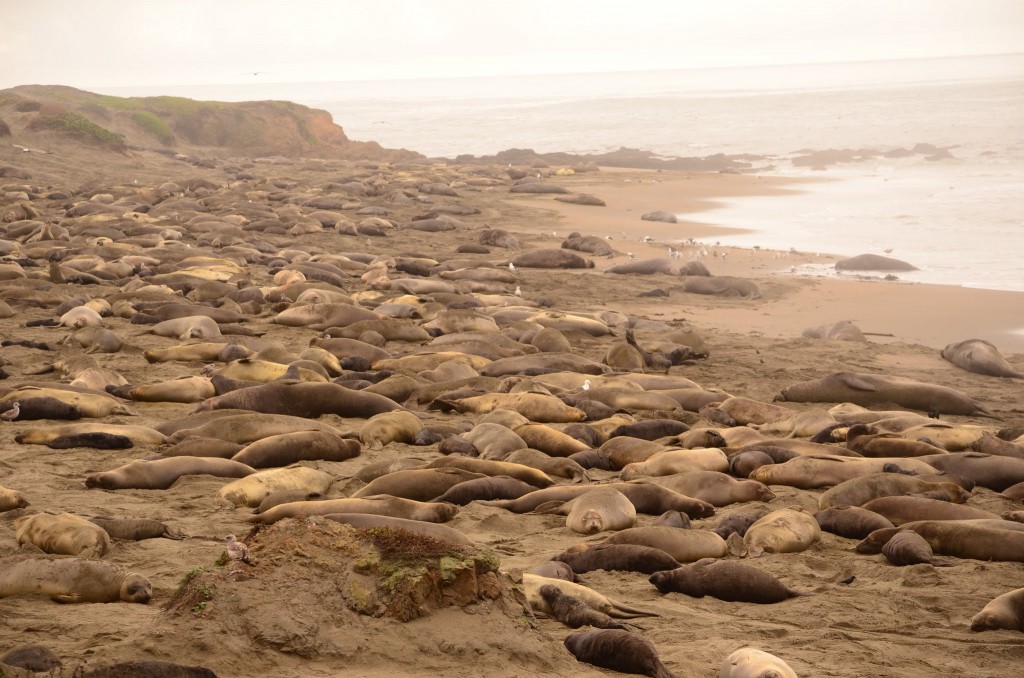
959	219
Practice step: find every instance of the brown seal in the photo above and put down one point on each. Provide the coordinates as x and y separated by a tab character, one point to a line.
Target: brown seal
302	399
72	580
875	389
553	569
725	580
617	650
573	612
738	523
62	533
286	497
907	509
288	448
590	597
32	658
390	427
869	441
851	522
994	472
860	490
646	498
1002	612
910	548
810	472
418	484
136	529
961	539
980	357
562	467
195	446
527	474
150	668
650	429
383	505
618	557
240	427
162	473
485	489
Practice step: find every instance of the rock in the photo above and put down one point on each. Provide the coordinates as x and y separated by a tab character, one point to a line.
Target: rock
660	215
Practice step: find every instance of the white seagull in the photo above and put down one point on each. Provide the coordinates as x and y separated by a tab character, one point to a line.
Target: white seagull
236	550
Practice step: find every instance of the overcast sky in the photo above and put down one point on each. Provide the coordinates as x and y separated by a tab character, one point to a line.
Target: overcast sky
119	43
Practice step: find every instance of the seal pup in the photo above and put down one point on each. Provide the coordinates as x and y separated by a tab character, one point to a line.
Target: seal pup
574	613
910	548
749	662
618	650
782	531
11	500
1003	612
591	598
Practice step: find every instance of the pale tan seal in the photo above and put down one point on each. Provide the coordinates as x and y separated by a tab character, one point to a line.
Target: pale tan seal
749	662
533	582
1002	612
89	403
140	435
253	489
202	351
978	540
390	427
241	427
383	505
597	510
181	390
782	531
536	407
686	546
419	484
717	489
811	472
904	509
302	399
862	489
669	462
549	440
62	533
160	474
11	499
72	580
188	327
526	474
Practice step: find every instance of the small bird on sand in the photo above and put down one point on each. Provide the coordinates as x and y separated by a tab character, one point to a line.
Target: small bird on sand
586	384
12	414
236	550
511	267
518	292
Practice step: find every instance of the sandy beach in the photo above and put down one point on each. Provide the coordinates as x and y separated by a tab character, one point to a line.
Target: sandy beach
866	617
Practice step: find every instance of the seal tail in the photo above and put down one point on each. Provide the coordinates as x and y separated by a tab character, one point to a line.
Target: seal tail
620	611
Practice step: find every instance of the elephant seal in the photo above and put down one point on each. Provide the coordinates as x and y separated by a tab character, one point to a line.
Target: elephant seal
858	491
674	461
869	441
650	429
150	668
367	521
527	474
842	330
90	403
851	522
537	407
723	286
873	262
136	529
390	427
40	408
616	557
910	548
562	467
418	484
551	258
381	505
617	650
240	427
554	569
573	612
749	662
549	440
597	510
905	509
980	357
686	546
73	580
782	531
62	533
1002	612
646	498
160	474
141	435
875	389
187	327
285	449
725	580
33	658
994	472
810	472
717	489
182	390
738	523
485	489
302	399
11	499
195	446
961	539
253	489
591	598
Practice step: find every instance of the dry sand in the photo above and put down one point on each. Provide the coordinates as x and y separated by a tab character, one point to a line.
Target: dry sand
888	621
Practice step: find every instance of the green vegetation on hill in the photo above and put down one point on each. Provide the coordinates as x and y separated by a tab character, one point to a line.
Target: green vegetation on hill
154	125
81	128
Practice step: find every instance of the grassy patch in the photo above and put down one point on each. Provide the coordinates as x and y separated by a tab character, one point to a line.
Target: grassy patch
81	128
192	594
154	125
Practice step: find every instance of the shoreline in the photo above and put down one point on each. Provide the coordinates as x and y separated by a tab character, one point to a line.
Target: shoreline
933	315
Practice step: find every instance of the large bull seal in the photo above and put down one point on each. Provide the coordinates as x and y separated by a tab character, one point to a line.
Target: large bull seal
302	399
